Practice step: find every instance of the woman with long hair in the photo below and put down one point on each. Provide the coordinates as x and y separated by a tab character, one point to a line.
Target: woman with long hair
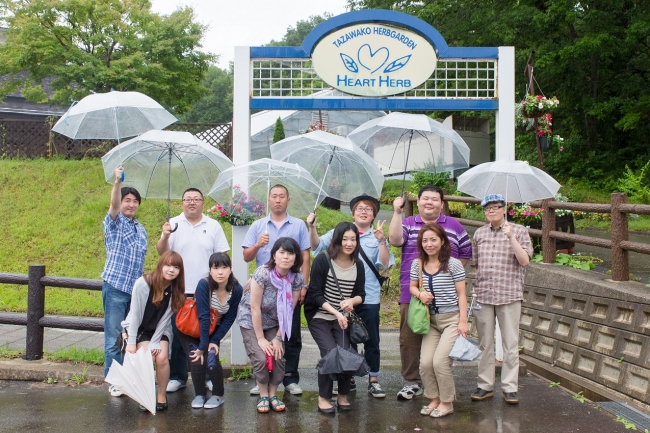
155	297
221	292
328	303
443	290
265	318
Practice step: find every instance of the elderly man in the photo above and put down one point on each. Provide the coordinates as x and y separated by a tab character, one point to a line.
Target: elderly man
374	252
405	234
257	245
126	248
502	251
196	238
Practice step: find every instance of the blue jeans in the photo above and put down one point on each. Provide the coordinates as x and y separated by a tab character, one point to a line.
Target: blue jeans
292	348
178	364
370	316
116	307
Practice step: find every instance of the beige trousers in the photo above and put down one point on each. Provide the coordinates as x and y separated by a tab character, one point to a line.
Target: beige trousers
435	364
508	316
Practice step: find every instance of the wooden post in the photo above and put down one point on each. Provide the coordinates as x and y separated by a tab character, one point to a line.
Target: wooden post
35	311
548	225
620	260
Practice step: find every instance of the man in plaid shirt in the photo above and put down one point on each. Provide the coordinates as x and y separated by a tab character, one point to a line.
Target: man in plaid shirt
126	247
501	252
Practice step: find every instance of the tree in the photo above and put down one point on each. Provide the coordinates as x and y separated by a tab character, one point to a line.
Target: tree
278	131
98	45
295	35
216	104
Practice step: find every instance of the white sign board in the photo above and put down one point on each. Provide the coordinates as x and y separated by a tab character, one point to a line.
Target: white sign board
374	59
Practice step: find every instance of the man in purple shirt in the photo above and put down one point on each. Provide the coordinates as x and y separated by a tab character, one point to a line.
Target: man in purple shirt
404	233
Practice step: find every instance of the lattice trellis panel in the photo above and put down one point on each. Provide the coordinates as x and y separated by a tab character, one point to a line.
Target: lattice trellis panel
453	78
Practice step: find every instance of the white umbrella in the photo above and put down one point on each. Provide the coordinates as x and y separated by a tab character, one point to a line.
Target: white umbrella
412	142
135	378
516	181
343	169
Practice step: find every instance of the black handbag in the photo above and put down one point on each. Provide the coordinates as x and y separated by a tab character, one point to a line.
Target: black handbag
358	330
373	268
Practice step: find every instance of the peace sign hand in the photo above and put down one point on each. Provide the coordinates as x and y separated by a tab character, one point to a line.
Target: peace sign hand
379	231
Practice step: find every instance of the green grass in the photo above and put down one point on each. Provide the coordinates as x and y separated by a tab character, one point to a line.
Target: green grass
77	354
6	353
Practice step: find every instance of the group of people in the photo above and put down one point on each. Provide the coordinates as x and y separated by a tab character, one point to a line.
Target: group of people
343	278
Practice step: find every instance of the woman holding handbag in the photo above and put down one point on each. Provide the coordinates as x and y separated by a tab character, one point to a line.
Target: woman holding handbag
337	285
155	297
218	294
265	317
438	280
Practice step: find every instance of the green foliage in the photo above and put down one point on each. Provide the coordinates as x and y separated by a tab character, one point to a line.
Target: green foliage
241	373
580	397
554	384
50	380
77	354
628	425
98	45
585	263
296	35
278	131
636	185
6	353
215	105
392	189
430	177
79	378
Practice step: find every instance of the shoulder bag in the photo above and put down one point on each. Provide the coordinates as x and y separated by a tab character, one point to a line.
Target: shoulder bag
418	318
358	330
187	318
373	268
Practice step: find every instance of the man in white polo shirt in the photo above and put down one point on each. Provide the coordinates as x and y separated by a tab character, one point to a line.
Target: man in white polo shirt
196	239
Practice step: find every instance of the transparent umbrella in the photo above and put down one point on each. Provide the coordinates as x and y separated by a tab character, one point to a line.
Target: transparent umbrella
516	181
163	164
342	168
257	177
412	142
135	378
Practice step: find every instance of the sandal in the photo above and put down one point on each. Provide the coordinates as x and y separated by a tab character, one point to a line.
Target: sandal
263	405
276	404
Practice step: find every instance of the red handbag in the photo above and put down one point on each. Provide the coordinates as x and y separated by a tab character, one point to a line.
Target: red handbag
187	319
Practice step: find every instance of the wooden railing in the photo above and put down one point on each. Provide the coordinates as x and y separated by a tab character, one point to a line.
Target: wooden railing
619	243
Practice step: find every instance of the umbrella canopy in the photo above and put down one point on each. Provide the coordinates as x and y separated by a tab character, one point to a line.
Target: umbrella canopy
342	168
257	177
463	350
517	181
412	142
340	360
113	116
135	378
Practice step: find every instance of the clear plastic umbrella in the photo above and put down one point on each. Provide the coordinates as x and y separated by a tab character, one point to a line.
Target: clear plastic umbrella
343	169
516	181
257	177
135	378
163	164
412	142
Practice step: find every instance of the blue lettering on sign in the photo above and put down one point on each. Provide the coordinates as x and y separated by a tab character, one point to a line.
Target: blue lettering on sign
370	82
351	35
383	31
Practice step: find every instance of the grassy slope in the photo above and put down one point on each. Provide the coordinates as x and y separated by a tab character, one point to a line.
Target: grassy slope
53	212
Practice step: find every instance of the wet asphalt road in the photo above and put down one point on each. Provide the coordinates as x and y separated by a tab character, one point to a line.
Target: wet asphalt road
37	407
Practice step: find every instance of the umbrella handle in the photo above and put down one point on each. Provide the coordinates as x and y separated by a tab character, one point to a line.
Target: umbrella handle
175	228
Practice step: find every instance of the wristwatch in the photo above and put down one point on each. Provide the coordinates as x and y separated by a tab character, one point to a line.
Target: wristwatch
382	242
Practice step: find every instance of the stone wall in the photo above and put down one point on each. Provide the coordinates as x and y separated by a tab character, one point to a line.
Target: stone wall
588	325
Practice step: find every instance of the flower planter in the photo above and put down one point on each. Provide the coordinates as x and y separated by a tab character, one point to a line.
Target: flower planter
533	114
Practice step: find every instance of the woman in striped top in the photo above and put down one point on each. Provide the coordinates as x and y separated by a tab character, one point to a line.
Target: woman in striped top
443	290
326	309
221	291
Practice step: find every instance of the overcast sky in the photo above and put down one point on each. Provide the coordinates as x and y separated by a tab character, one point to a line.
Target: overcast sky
248	22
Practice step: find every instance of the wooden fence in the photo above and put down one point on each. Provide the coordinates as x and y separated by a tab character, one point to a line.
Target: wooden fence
35	139
619	243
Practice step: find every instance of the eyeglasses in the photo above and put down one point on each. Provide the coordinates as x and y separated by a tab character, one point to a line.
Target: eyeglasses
364	209
492	208
192	200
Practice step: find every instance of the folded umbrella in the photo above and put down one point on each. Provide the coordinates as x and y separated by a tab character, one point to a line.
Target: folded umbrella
342	360
135	378
464	350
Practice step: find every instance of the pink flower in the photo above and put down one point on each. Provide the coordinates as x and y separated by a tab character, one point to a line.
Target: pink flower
219	207
561	148
224	213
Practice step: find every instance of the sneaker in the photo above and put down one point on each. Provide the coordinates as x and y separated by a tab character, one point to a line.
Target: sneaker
511	397
375	390
208	384
213	402
175	385
114	391
481	394
335	391
293	388
198	402
409	391
353	385
255	390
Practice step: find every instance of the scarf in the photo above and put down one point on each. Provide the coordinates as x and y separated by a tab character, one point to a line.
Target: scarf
284	300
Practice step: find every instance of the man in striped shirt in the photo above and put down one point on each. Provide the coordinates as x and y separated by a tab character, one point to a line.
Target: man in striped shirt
404	233
502	251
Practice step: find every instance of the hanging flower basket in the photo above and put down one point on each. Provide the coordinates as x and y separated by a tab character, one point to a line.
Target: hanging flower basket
537	105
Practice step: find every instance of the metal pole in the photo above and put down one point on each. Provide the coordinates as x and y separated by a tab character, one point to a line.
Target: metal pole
35	311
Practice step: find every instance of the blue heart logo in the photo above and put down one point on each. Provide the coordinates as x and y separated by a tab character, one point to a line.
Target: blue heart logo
372	61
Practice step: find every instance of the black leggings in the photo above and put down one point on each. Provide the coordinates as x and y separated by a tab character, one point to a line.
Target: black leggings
198	370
